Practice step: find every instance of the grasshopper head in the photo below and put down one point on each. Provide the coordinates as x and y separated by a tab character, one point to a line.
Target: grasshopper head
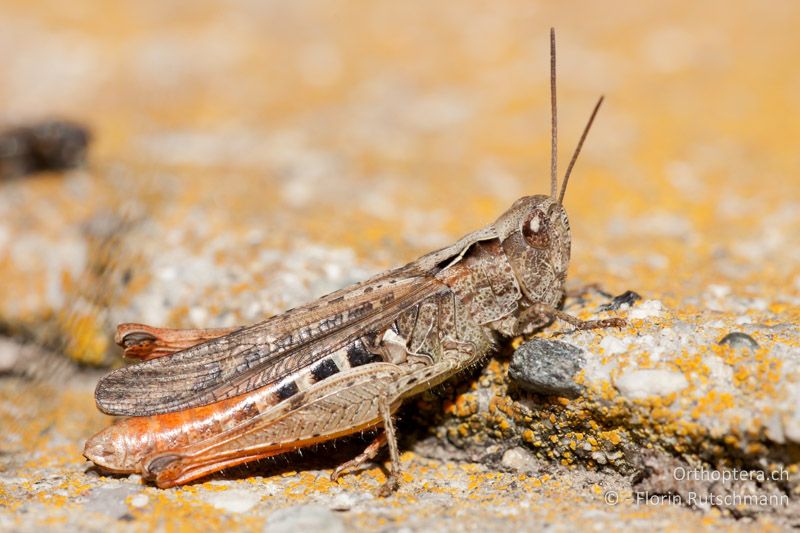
535	237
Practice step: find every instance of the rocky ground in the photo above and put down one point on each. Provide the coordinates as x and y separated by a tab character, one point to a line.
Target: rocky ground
248	158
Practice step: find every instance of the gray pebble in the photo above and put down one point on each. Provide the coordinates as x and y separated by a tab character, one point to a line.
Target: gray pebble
110	500
737	339
547	367
304	518
344	501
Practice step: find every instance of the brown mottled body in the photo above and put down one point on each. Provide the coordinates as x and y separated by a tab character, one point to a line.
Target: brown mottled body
208	399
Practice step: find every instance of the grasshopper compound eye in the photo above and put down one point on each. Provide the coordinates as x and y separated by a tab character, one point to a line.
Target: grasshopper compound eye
536	230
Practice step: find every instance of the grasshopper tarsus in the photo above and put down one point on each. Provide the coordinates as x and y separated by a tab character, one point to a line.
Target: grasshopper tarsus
390	486
369	453
602	323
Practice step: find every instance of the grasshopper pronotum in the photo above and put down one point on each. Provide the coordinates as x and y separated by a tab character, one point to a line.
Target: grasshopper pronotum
208	399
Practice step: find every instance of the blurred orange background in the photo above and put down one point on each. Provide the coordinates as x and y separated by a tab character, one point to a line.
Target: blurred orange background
391	128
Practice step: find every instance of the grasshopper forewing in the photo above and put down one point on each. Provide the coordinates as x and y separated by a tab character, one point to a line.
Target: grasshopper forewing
204	400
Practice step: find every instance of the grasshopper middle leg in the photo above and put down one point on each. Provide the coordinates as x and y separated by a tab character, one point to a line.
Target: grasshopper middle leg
393	482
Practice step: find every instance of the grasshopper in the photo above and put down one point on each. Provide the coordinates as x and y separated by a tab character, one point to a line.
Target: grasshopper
205	400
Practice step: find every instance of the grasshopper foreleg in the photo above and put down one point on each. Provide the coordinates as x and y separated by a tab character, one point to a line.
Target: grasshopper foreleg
585	290
539	310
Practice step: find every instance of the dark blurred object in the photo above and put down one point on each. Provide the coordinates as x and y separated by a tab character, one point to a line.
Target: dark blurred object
737	339
627	298
48	145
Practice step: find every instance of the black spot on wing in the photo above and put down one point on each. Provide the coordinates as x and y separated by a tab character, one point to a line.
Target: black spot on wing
324	369
248	411
357	355
286	391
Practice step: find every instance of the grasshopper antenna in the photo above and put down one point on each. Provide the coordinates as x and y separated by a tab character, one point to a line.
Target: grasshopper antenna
578	150
553	117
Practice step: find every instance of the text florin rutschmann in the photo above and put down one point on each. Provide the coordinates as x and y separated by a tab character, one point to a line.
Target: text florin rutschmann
729	497
734	474
706	500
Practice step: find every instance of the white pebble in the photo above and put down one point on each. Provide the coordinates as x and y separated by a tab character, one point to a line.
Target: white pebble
791	429
638	384
646	309
519	459
140	500
198	316
719	291
234	501
613	345
304	518
791	423
774	429
9	352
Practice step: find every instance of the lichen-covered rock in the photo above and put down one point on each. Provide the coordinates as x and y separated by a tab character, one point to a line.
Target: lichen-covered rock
672	388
